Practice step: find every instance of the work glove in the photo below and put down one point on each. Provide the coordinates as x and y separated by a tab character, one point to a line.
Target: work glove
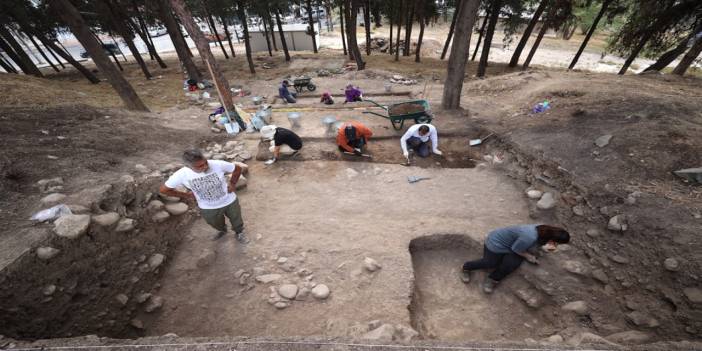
357	152
269	162
438	152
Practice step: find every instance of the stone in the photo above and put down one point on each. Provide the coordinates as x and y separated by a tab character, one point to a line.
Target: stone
384	332
281	305
141	298
282	260
529	297
160	216
642	320
620	259
268	278
46	253
125	225
586	338
320	292
374	324
72	226
575	267
303	294
167	198
404	333
154	205
155	261
546	202
206	258
600	276
371	265
155	303
578	210
239	273
534	194
630	337
230	145
554	339
288	291
219	157
245	155
351	173
49	182
136	323
127	179
78	209
258	271
694	295
241	183
603	140
141	168
49	290
177	208
593	233
122	299
106	219
92	197
618	223
671	264
52	199
579	307
54	189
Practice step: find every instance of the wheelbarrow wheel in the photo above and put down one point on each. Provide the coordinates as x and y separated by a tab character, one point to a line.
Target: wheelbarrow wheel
311	87
397	124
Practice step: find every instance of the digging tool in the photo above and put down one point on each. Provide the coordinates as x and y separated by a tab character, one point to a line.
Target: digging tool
408	163
414	179
363	155
475	142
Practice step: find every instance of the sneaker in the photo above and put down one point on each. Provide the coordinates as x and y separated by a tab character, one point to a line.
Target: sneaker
465	276
241	237
219	235
489	285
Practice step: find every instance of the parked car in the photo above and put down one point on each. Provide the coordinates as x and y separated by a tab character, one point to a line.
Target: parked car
109	48
157	31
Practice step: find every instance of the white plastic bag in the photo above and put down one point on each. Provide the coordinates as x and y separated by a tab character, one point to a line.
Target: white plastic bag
51	213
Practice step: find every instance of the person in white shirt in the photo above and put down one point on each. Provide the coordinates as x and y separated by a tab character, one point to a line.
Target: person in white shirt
207	181
418	137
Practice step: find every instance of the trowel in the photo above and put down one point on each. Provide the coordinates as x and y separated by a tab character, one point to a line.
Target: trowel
363	155
414	179
474	142
408	163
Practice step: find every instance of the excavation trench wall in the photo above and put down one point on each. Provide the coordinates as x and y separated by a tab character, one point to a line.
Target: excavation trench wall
98	282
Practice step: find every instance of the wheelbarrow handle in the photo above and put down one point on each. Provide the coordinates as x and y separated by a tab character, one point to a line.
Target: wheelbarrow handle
375	113
376	104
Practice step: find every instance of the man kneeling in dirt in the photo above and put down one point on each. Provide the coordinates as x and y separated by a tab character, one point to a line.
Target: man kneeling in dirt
506	248
417	137
283	141
352	136
214	194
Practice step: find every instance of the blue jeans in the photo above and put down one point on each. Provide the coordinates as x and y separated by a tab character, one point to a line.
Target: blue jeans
419	146
504	264
290	98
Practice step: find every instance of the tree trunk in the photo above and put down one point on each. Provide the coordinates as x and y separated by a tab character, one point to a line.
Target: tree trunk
351	13
481	34
6	65
143	32
689	58
494	16
181	48
268	40
534	47
20	57
456	67
229	35
282	36
79	28
12	57
118	22
669	56
114	41
367	24
451	28
341	24
397	34
203	47
636	51
41	52
591	31
214	30
54	56
67	56
408	31
271	28
247	42
114	57
311	28
319	22
390	46
421	36
376	14
527	33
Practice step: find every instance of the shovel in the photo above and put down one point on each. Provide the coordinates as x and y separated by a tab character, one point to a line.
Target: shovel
474	142
363	155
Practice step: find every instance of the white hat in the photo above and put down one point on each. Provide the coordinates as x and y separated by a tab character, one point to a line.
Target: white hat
267	132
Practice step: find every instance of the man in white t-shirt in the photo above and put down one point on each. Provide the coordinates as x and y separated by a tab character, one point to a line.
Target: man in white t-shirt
209	186
418	137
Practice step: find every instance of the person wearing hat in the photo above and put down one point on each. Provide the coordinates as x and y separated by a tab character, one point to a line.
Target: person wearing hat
283	141
285	94
353	93
327	99
352	136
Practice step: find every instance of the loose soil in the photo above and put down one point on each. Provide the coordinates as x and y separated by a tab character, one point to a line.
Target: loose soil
326	212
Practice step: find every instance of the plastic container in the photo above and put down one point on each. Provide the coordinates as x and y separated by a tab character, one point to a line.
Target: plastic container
257	100
328	122
294	119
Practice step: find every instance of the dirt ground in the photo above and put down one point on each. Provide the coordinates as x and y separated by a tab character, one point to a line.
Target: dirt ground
326	213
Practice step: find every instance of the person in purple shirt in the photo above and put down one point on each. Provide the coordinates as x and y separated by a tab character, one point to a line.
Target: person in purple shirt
506	248
353	94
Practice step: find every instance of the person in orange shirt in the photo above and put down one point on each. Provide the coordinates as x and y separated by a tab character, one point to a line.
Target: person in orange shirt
352	136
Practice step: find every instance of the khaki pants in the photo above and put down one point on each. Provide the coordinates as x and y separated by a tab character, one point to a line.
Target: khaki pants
215	217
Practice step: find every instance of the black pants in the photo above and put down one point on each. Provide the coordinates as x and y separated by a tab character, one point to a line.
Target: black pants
504	264
356	144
